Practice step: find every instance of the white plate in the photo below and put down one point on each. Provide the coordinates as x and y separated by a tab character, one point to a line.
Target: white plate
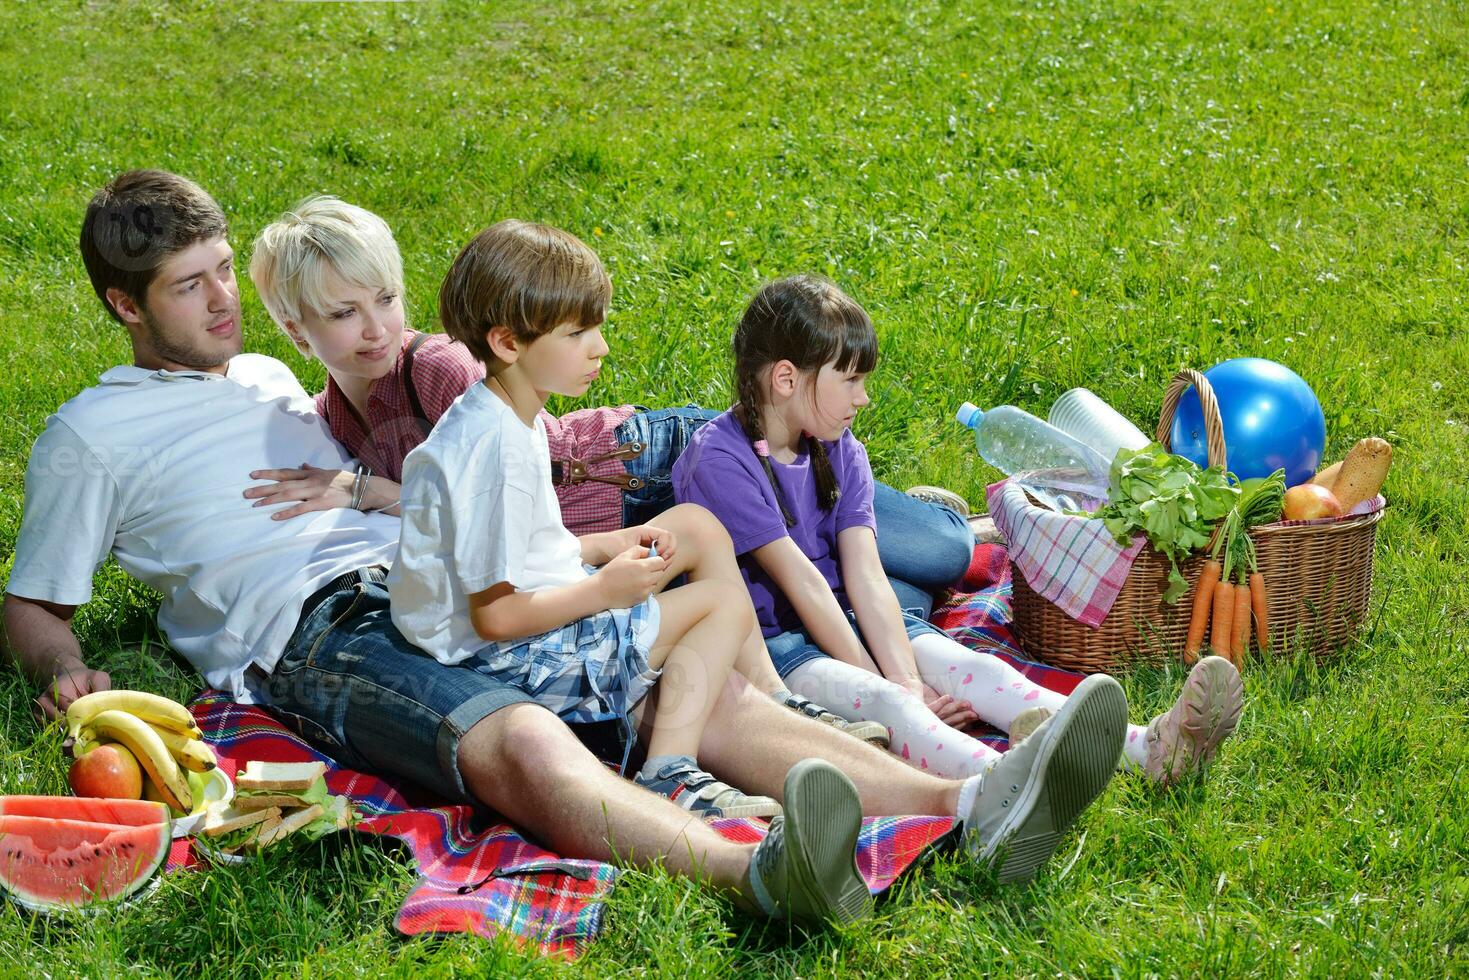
217	786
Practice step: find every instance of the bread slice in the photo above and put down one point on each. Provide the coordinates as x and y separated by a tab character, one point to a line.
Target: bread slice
263	827
279	775
221	818
262	801
289	825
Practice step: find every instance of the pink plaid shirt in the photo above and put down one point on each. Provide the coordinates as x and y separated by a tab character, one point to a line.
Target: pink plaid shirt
442	370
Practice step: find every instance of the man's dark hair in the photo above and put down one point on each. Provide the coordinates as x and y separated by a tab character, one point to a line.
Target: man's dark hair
136	222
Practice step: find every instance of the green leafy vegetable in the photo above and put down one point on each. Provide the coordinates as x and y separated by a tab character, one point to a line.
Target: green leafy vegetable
1169	499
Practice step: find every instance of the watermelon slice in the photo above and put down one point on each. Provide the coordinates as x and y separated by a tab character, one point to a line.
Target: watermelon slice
48	861
129	813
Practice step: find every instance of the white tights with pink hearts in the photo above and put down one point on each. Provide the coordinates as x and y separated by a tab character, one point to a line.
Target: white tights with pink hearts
996	690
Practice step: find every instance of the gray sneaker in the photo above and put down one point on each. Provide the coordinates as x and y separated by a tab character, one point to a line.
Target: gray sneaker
698	792
872	732
1184	738
1035	791
805	869
1026	723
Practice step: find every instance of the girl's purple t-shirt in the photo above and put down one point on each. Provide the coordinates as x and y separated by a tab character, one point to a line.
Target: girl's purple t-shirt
719	470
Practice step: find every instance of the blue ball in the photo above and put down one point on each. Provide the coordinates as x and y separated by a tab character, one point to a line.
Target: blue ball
1272	421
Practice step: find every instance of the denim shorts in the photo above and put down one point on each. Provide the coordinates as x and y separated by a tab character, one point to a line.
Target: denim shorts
352	685
790	650
666	433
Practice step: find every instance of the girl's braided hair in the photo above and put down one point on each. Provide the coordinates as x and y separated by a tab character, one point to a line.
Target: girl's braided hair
808	321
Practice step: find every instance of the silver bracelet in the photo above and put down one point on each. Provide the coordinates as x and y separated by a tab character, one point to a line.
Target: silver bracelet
359	486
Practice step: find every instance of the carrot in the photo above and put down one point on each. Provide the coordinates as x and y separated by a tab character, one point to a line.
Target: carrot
1199	618
1241	625
1222	634
1262	613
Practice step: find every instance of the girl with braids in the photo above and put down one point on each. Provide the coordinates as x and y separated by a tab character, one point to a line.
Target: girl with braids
791	483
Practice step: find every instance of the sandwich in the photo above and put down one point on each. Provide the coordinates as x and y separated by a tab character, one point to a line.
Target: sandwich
273	801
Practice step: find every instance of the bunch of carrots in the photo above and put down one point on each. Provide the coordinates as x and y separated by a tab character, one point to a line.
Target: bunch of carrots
1232	557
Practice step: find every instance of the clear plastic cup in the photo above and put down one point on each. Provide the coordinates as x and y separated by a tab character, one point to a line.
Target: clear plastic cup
1092	422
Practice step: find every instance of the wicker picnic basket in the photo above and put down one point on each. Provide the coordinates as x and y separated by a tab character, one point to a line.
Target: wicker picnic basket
1319	577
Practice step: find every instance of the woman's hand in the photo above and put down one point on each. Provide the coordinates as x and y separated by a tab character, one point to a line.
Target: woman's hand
313	488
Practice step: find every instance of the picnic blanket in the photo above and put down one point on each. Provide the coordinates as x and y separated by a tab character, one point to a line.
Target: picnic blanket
482	876
1072	561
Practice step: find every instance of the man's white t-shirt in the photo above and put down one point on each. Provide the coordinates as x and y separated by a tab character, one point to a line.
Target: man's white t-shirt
151	466
478	509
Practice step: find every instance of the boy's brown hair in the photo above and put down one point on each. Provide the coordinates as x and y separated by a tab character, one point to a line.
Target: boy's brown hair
528	277
136	222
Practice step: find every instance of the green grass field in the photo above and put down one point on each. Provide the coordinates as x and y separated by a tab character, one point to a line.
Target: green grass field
1026	197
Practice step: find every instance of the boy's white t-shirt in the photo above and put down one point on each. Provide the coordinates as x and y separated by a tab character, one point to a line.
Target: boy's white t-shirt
478	508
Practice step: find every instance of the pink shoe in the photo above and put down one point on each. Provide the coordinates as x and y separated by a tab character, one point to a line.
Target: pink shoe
1184	738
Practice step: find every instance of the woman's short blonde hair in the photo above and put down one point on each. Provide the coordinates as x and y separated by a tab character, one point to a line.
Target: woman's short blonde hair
296	257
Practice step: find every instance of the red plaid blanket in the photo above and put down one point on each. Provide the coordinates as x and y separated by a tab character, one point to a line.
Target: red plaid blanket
485	878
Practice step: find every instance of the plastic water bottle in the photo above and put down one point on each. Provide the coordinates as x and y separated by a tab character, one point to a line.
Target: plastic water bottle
1012	441
1092	422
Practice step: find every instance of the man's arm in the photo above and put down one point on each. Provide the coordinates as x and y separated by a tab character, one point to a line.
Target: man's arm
38	639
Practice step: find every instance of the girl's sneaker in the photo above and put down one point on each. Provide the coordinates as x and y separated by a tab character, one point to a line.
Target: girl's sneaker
698	792
1020	806
1184	738
1027	722
872	732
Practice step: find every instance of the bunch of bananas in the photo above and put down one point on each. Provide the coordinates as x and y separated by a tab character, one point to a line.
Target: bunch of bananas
160	733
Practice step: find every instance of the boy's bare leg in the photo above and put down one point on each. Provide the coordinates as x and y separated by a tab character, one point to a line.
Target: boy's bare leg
751	741
695	649
525	764
706	552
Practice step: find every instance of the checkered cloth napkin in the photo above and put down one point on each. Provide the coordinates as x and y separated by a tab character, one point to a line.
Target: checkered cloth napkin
1072	561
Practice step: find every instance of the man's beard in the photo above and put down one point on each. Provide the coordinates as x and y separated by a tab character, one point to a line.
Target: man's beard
179	352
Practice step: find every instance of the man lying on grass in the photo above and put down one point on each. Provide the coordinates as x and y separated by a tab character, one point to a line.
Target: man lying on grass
150	465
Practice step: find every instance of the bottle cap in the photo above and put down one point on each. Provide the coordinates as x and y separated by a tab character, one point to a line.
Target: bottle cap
969	414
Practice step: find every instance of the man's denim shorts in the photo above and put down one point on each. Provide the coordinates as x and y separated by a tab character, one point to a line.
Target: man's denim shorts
790	650
351	685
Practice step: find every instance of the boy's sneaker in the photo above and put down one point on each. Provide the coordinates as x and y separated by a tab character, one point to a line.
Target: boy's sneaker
698	792
872	732
942	497
1035	791
1184	738
805	869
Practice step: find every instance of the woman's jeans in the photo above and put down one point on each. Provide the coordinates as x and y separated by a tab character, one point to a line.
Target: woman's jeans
924	547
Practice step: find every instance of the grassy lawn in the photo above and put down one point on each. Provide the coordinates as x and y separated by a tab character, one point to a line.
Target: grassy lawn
1026	197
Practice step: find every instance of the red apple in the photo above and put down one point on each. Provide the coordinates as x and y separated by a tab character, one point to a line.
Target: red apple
1309	502
109	771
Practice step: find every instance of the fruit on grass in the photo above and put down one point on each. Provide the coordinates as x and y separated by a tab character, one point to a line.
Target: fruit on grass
155	710
52	861
152	754
1309	502
109	770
